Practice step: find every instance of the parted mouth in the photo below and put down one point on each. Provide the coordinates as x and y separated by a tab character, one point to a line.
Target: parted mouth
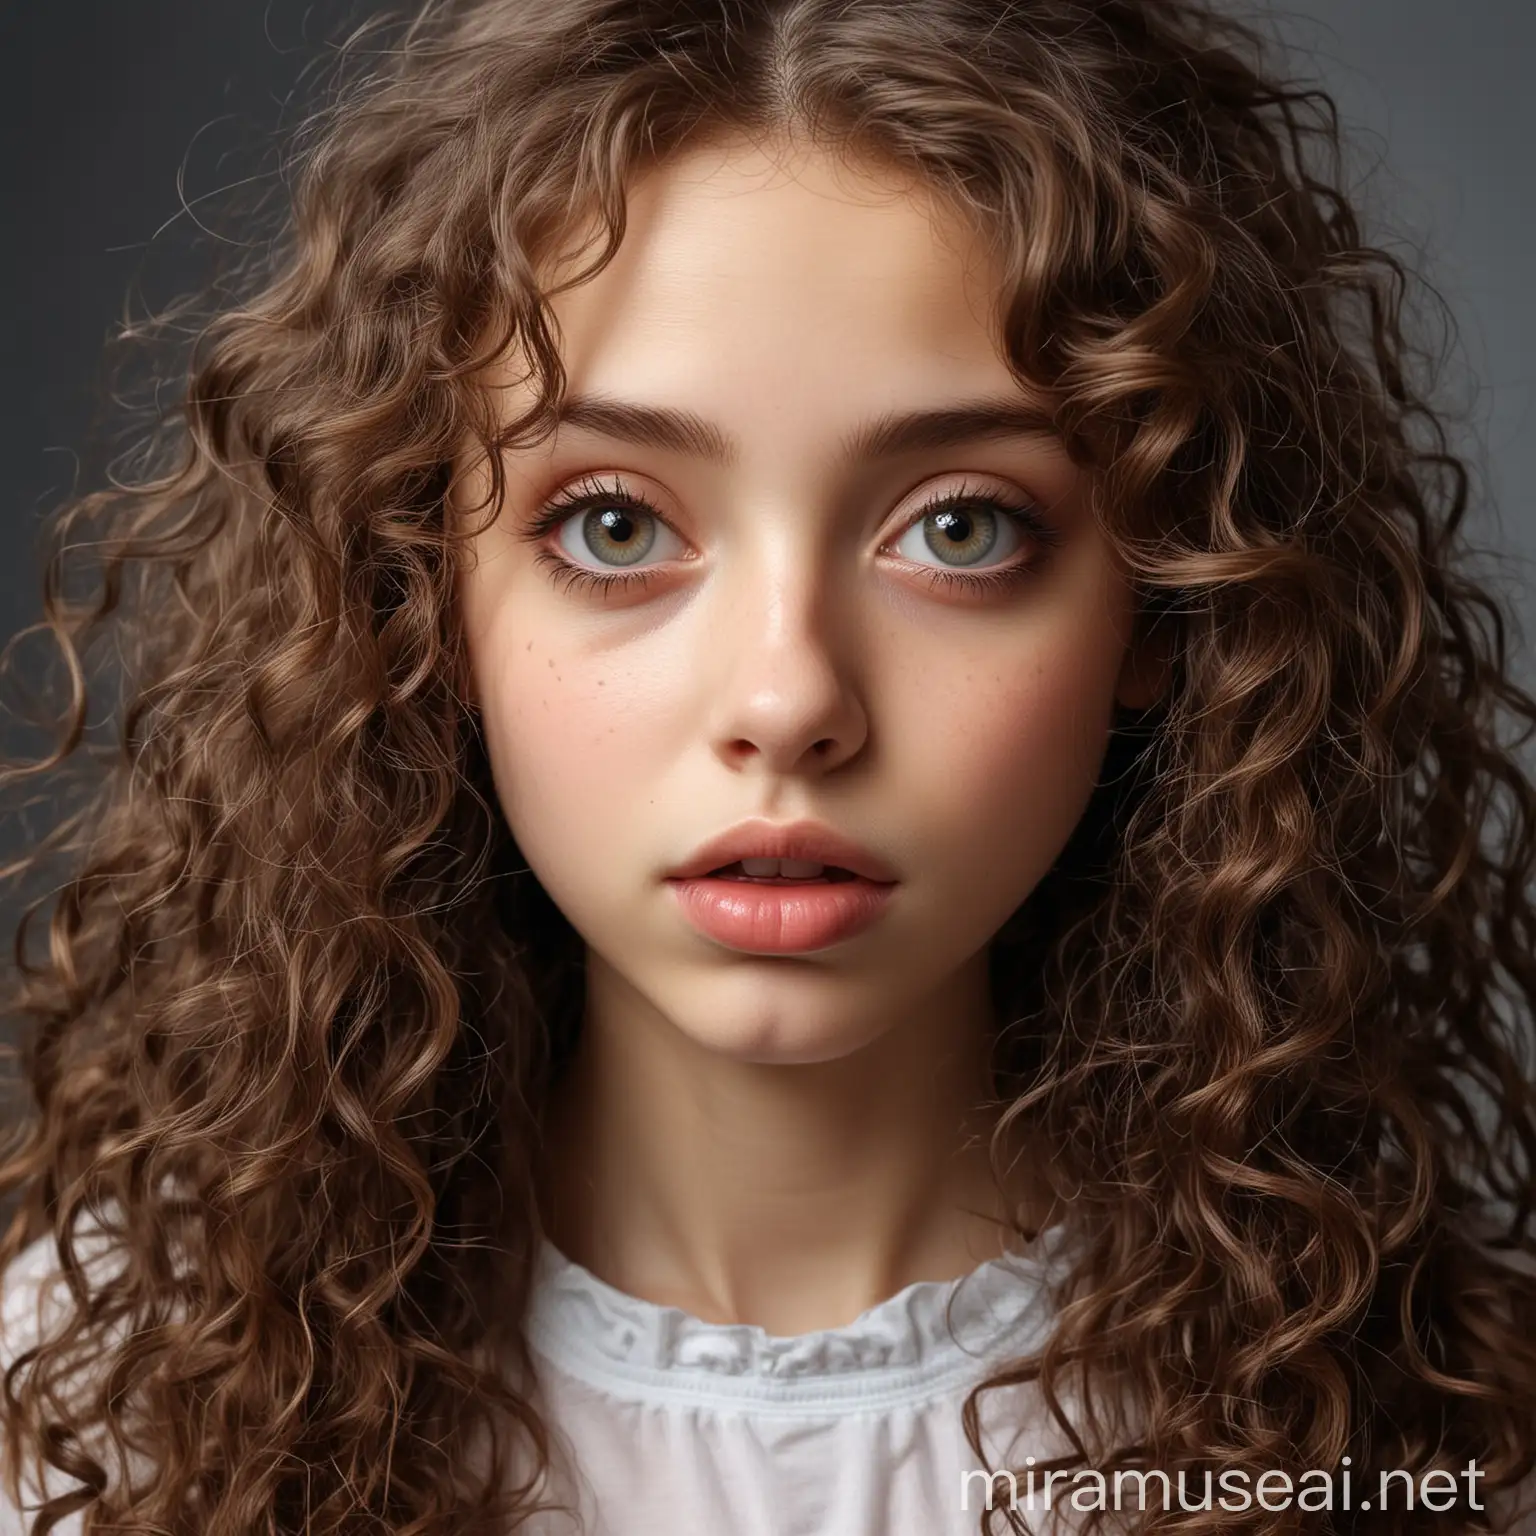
786	853
781	871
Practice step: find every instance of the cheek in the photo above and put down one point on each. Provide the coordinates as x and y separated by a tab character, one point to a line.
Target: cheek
575	746
1007	748
553	741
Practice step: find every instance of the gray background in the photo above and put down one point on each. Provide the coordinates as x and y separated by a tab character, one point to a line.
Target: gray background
121	121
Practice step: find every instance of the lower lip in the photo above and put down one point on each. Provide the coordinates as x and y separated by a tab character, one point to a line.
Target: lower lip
780	919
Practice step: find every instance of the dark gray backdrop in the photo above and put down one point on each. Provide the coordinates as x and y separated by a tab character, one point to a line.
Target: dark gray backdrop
120	121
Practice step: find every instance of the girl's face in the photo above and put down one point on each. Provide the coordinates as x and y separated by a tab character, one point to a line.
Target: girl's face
829	568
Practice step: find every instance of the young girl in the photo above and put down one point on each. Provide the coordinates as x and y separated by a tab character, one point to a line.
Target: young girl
809	807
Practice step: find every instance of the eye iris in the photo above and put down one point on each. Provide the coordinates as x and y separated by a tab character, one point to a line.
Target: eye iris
617	534
953	533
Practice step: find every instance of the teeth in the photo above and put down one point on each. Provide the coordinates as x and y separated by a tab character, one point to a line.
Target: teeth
794	869
801	869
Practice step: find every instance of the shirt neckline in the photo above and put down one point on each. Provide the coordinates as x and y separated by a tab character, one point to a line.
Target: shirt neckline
930	1336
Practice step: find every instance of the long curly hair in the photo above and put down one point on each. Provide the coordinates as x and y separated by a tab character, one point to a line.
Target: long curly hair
296	1011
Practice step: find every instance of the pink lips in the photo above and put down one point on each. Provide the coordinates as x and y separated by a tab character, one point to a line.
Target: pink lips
780	919
787	916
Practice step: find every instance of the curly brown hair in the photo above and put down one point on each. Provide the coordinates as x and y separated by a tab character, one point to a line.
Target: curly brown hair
296	1017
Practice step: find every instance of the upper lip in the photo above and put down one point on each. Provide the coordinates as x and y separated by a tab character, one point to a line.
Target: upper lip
807	840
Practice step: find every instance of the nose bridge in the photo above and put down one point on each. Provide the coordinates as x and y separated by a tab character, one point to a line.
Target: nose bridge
788	573
777	611
785	688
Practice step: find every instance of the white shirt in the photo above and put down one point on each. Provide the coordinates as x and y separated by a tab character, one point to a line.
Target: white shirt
673	1424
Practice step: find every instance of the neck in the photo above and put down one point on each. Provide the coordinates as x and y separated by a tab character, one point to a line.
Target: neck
790	1196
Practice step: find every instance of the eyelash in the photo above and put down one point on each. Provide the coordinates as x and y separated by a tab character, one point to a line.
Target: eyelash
586	494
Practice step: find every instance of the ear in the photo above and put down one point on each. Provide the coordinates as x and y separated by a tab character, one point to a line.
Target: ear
1147	671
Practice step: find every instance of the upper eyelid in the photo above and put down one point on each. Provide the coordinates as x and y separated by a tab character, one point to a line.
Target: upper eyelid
549	511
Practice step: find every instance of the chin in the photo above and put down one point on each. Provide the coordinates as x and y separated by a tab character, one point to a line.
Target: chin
776	1031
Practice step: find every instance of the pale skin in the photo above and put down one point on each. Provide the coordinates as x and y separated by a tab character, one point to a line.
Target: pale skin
787	1139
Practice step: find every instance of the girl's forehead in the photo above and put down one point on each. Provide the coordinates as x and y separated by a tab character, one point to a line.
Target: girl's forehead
814	193
755	275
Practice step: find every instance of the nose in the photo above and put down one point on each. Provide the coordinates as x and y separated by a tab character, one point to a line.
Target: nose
785	700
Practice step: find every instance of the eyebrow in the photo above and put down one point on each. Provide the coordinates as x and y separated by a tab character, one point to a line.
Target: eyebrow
885	436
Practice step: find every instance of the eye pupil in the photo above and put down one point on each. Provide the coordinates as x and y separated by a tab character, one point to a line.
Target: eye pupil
618	535
617	525
950	532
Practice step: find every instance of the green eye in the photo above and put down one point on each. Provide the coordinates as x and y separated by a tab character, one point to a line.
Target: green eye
614	535
601	527
962	535
965	529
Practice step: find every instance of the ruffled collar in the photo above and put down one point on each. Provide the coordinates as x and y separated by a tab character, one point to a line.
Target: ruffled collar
927	1338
